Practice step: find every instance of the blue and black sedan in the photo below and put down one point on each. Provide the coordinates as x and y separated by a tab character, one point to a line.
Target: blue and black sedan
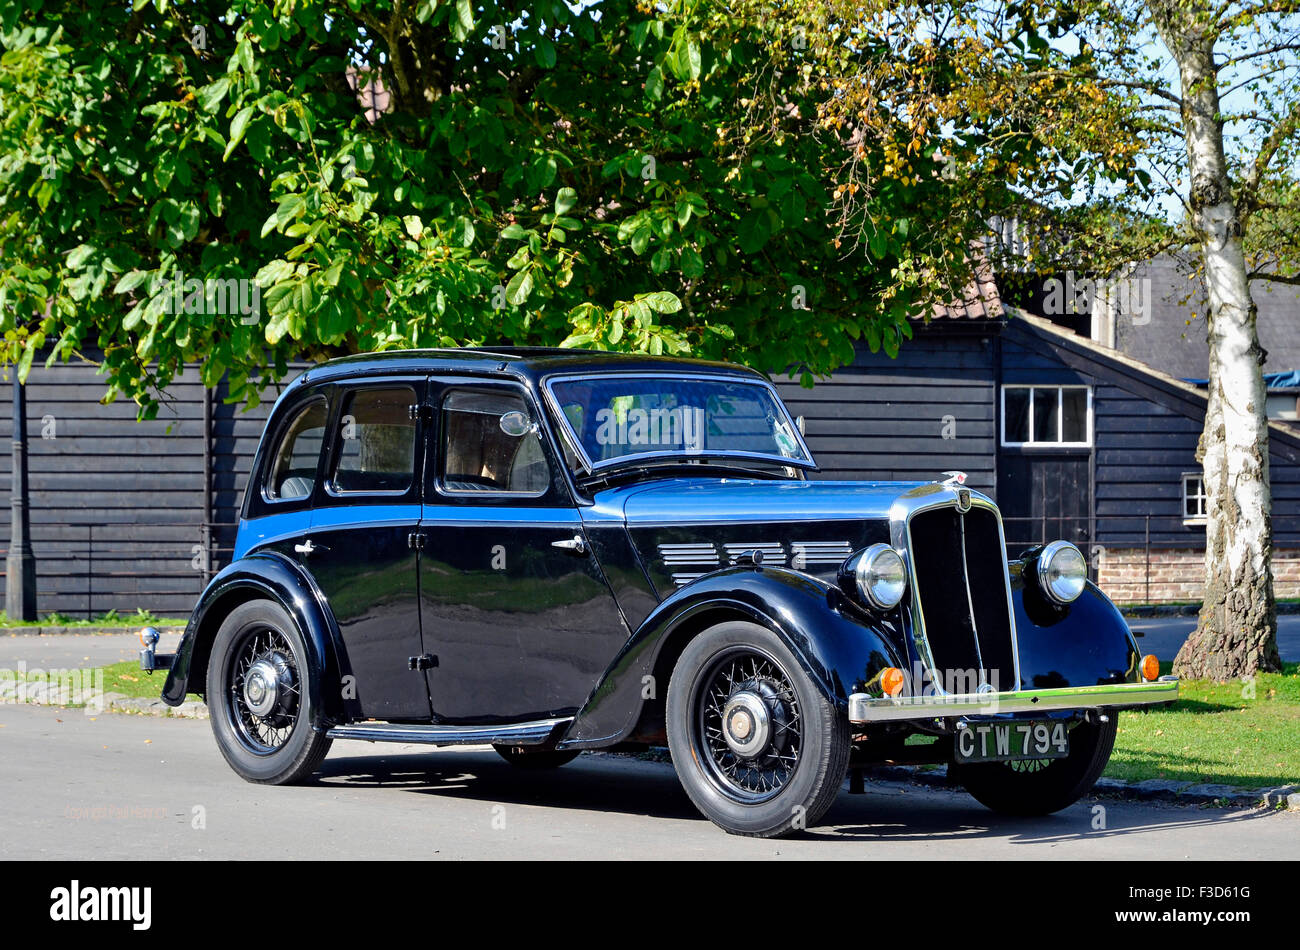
552	550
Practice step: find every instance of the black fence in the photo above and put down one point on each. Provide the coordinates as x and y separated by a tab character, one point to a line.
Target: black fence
98	566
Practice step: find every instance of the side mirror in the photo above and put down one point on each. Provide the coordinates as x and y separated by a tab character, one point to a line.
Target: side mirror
798	423
516	423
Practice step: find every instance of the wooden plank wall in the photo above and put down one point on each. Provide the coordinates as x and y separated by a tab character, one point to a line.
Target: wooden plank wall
117	505
1146	434
141	484
886	419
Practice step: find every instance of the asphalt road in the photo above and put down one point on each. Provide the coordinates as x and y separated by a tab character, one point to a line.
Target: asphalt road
115	786
75	651
1164	635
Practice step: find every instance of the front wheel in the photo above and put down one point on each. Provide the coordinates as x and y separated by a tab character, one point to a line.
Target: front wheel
757	747
1040	787
258	696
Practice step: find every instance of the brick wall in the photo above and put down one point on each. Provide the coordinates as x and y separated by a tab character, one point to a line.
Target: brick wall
1176	575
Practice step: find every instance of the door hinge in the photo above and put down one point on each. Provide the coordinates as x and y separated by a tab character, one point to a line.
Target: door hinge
426	661
415	540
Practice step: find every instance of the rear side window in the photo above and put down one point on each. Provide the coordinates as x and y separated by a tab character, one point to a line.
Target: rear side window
376	441
490	444
293	471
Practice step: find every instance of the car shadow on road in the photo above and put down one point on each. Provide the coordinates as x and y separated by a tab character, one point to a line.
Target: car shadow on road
625	785
599	782
939	814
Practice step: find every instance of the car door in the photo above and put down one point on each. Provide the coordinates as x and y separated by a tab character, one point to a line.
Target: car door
513	604
361	548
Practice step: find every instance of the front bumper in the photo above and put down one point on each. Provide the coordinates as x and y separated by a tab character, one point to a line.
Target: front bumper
865	709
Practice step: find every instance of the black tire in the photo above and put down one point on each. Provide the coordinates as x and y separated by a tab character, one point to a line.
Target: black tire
1046	786
804	759
524	757
282	747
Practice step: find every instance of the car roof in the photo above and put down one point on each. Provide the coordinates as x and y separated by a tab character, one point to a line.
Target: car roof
532	363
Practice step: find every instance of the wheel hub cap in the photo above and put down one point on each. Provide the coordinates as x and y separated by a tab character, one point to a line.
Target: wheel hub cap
265	683
746	724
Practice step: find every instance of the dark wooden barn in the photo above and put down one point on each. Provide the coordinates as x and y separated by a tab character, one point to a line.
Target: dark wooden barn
1073	438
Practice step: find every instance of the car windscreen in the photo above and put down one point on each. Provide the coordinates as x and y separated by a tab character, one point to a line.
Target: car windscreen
616	417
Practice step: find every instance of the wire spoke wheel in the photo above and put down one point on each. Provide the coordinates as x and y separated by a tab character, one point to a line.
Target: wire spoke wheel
748	726
758	746
263	689
1042	786
264	692
1029	765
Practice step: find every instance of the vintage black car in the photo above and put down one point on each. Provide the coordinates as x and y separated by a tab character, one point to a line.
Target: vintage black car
555	550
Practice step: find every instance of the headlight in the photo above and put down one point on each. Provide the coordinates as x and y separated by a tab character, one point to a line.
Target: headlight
1062	572
880	576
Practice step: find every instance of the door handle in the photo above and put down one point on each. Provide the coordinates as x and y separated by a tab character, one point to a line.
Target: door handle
574	545
309	547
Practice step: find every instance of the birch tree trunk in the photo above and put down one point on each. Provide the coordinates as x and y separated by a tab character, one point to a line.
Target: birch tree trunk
1236	633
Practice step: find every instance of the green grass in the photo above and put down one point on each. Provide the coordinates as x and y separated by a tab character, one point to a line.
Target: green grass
126	678
141	618
1214	733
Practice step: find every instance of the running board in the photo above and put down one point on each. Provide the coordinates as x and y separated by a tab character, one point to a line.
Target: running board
516	733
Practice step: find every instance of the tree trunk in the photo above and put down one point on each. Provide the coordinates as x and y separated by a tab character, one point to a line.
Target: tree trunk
1236	634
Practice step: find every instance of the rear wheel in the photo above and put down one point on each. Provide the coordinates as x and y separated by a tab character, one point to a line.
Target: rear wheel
258	696
758	748
1040	787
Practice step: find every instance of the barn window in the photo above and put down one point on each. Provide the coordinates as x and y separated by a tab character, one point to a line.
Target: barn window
1193	497
1047	415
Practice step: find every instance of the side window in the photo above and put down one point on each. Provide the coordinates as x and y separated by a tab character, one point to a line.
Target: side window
375	442
490	444
293	469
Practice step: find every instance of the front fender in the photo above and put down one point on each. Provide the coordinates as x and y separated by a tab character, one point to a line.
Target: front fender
839	645
262	576
1087	643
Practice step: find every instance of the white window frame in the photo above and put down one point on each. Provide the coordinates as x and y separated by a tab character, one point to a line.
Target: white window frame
1034	388
1203	497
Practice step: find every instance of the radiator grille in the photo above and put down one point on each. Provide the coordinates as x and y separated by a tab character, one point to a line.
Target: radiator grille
960	566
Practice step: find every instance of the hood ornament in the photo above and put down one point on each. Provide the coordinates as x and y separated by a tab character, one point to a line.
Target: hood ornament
956	480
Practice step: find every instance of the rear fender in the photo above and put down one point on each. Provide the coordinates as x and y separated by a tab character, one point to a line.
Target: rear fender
262	576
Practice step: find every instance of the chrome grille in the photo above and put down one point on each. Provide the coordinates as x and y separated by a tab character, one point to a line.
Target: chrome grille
773	551
959	574
689	553
688	561
825	553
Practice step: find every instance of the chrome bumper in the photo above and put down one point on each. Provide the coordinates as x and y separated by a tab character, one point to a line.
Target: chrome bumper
867	709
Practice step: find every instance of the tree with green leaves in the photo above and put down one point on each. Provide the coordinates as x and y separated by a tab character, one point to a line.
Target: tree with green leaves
364	176
1093	113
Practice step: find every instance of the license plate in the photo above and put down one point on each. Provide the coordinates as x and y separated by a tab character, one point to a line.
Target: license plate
1012	741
